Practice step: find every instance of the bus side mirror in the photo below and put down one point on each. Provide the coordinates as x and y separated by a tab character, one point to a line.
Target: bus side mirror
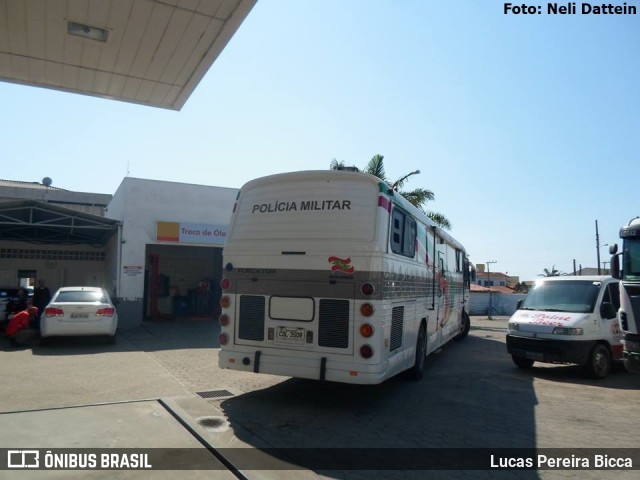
615	266
613	248
519	304
607	310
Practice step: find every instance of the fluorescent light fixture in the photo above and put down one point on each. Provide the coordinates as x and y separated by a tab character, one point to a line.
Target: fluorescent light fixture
86	31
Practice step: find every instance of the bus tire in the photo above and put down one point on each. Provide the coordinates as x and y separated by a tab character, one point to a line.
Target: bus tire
598	364
522	362
464	327
417	371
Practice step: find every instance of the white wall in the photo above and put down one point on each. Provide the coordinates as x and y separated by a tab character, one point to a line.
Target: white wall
502	303
56	272
139	204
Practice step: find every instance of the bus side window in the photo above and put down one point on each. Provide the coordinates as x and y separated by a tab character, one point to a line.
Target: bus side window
397	229
409	248
403	233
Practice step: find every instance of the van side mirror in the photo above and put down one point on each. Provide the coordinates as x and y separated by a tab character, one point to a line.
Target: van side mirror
615	267
607	310
519	304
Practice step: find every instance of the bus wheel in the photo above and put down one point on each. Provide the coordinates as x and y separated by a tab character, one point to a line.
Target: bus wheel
464	327
417	371
522	362
599	363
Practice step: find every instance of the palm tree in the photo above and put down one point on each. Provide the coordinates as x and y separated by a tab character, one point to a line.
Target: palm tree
417	197
551	273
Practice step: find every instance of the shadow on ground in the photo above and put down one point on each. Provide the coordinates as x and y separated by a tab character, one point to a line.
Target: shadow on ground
469	398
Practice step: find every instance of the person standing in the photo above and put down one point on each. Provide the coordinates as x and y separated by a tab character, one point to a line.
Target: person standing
41	298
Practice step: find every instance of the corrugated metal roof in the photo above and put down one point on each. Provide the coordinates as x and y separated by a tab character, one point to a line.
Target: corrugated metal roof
33	185
40	222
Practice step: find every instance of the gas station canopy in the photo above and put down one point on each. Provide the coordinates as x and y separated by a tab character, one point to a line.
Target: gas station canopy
152	52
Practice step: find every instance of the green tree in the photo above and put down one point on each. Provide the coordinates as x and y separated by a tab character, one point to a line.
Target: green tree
550	273
417	197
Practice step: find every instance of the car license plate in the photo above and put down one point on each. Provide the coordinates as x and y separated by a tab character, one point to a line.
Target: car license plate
291	335
79	315
534	356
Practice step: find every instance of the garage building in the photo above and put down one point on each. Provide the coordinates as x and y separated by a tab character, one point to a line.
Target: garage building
156	246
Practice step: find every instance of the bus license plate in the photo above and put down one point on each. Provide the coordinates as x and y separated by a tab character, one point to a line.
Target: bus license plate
291	335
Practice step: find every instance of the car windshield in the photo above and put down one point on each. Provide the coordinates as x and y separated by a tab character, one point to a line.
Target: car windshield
81	296
578	296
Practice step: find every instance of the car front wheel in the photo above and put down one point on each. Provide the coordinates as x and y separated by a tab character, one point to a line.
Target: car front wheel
599	363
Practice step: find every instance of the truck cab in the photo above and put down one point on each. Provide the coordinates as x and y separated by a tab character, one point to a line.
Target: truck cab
568	320
629	275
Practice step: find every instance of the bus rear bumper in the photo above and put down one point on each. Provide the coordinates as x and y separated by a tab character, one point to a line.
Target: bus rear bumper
302	367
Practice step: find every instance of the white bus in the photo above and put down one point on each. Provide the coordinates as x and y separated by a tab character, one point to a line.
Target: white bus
332	275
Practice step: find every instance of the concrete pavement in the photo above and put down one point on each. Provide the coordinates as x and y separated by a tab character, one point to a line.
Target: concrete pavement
161	383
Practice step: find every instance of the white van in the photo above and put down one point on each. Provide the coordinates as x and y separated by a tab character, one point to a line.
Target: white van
568	319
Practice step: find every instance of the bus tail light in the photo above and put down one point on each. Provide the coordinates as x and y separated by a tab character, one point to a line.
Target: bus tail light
224	320
367	289
223	339
366	330
225	284
366	351
366	309
225	301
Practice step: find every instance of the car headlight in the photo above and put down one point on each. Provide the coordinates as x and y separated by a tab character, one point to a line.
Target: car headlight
513	327
567	331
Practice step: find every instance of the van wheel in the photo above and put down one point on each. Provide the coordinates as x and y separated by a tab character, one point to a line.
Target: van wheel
522	362
465	327
599	363
417	371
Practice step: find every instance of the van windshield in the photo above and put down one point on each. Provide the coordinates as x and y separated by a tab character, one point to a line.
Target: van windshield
577	296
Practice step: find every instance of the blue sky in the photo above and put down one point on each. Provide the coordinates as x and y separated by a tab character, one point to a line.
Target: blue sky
525	127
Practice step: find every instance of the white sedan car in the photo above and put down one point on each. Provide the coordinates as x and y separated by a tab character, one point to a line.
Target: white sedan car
75	311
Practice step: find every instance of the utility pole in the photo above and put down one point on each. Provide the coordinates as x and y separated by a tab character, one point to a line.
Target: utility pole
489	286
598	246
